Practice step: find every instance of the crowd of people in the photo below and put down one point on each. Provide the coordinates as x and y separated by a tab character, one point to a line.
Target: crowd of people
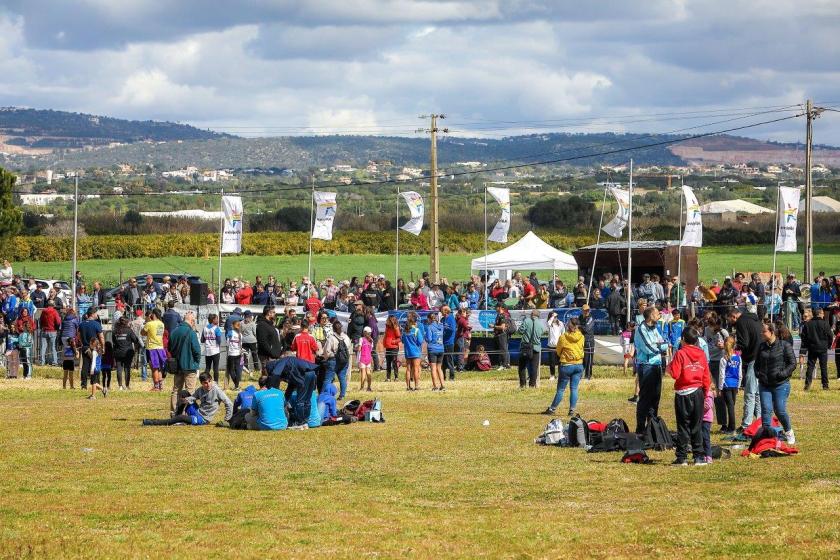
148	332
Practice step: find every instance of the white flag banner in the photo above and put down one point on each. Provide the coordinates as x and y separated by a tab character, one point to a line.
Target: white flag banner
789	209
232	224
500	232
693	232
622	216
325	207
415	206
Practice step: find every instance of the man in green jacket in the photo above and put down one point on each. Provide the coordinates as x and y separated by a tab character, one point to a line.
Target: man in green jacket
531	329
186	351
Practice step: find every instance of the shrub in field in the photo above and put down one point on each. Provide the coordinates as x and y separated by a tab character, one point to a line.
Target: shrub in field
49	249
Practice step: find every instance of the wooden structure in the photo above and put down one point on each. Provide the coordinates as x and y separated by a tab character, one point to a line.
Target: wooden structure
649	257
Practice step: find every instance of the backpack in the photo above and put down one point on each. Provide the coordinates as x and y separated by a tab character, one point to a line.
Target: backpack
553	434
350	408
342	355
615	437
578	432
657	435
636	456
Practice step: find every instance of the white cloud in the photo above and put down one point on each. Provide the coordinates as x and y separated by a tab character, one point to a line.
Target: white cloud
380	63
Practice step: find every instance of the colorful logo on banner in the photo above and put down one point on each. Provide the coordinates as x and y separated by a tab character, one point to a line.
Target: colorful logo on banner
789	200
232	224
693	233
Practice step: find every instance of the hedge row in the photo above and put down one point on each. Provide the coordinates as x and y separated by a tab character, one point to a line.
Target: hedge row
49	249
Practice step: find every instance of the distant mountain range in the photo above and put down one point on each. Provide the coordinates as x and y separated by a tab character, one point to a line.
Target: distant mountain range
41	131
94	141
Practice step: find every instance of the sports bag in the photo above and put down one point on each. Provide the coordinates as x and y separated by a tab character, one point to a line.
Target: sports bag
553	434
578	432
616	438
637	456
350	407
657	435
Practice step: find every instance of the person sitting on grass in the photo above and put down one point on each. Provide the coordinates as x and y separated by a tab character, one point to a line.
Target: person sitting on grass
479	360
268	408
692	383
206	400
244	399
95	355
327	405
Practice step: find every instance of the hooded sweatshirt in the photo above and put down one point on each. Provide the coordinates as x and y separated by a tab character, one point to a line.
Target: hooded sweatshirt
690	369
412	340
327	406
434	337
570	347
208	402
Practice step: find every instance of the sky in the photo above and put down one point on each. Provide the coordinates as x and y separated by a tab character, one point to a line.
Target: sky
493	67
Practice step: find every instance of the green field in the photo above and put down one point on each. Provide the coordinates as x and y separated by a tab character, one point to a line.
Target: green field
84	479
715	262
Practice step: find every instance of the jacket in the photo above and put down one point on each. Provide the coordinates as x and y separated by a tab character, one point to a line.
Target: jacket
649	345
49	320
450	329
616	303
816	337
208	401
356	325
184	347
412	340
774	363
570	347
434	337
748	335
531	332
125	341
392	338
690	369
268	341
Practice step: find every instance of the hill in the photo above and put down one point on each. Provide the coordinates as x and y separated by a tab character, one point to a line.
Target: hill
36	131
734	149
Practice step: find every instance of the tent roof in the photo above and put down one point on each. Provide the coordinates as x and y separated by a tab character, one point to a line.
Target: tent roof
823	204
529	253
737	205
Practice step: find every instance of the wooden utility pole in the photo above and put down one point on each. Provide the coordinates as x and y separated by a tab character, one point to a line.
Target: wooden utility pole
809	232
434	254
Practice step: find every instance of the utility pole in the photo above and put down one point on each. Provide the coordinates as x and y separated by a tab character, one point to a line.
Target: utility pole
811	113
434	255
75	239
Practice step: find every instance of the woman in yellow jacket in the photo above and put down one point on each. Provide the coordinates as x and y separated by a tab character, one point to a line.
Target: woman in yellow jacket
570	353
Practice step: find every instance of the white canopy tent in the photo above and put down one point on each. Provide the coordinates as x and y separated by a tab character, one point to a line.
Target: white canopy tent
529	253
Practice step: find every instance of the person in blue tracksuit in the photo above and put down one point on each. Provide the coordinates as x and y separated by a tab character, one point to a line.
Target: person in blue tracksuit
450	327
412	339
434	350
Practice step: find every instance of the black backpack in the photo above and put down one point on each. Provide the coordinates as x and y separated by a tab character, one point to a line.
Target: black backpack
578	432
342	355
657	435
616	438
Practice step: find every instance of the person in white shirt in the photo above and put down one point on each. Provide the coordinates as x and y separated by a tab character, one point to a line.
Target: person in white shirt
556	328
211	337
6	274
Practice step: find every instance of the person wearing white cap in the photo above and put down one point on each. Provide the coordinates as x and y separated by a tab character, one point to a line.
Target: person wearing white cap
365	359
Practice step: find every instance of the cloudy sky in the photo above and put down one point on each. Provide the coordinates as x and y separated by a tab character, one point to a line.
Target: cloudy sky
495	67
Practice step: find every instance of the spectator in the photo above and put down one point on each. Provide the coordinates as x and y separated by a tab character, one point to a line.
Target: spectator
186	353
587	327
304	345
530	347
649	347
126	345
748	334
89	329
692	382
343	358
50	323
6	273
816	339
556	328
248	328
570	352
156	354
233	366
616	309
412	339
269	345
391	342
502	328
171	318
774	364
450	331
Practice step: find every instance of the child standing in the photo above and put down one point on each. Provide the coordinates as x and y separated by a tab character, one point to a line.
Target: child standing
365	358
12	357
25	350
107	365
233	368
708	418
692	382
730	382
71	356
95	353
675	330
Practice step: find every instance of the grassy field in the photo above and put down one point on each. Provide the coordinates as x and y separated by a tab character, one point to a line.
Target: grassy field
715	262
84	479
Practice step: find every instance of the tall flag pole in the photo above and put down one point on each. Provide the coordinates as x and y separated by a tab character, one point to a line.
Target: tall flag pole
597	243
221	243
630	245
397	263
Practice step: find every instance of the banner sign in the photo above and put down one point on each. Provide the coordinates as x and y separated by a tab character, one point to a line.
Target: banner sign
415	206
232	224
616	227
325	207
500	232
787	216
693	233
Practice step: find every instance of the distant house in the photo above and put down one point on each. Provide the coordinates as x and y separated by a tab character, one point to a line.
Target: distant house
729	210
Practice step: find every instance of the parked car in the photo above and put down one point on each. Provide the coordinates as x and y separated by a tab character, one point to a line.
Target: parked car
61	287
156	276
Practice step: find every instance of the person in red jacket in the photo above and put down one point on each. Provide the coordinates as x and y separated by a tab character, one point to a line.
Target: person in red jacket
244	295
391	343
692	382
304	344
50	323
